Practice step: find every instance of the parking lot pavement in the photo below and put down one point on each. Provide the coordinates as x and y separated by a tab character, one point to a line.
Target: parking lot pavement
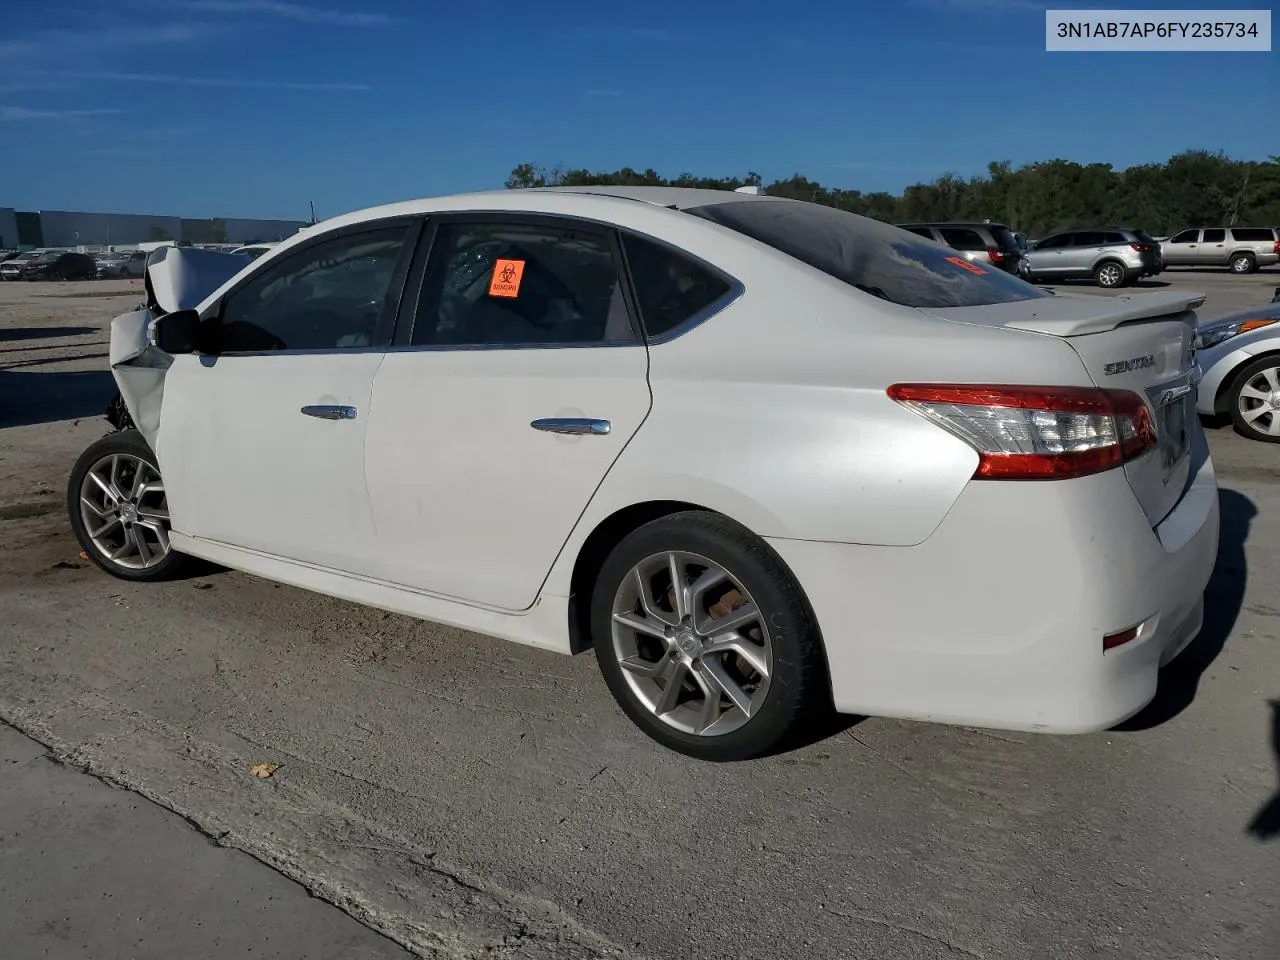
470	797
89	871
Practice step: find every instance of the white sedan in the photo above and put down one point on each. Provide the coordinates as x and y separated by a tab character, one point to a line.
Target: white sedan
765	457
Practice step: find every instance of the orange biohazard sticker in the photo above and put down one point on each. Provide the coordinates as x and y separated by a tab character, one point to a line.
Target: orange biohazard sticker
964	264
505	281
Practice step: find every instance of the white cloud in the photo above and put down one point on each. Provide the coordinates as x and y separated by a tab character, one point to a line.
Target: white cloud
75	41
242	83
10	114
279	9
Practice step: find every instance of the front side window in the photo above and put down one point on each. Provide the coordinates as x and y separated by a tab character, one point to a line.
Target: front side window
511	284
670	288
327	296
1186	236
870	256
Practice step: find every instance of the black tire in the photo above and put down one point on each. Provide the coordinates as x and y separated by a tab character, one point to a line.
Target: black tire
798	692
1243	263
1243	426
131	443
1110	274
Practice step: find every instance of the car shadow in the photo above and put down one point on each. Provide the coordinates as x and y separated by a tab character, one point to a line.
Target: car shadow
1223	598
43	333
28	398
1265	824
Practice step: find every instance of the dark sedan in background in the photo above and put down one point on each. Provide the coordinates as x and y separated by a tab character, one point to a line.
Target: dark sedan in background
58	265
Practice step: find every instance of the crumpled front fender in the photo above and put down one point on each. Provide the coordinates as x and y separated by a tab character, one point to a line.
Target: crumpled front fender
139	369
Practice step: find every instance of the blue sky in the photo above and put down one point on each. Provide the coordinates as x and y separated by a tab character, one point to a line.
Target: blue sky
255	107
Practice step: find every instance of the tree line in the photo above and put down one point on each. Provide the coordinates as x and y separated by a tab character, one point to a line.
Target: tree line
1194	188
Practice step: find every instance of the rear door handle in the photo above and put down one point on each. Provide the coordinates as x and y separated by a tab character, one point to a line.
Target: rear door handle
327	411
572	425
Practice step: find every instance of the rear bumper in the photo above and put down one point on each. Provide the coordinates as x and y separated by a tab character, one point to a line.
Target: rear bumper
997	619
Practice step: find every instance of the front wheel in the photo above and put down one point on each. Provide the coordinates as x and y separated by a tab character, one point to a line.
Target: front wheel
119	512
1255	400
705	639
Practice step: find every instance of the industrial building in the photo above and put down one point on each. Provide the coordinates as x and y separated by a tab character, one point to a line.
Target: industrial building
64	228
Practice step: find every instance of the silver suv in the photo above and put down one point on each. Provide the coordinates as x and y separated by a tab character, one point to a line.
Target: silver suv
1243	249
1111	256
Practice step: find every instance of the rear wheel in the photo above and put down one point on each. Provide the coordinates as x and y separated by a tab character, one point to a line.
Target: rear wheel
1255	400
705	639
1109	274
119	512
1243	263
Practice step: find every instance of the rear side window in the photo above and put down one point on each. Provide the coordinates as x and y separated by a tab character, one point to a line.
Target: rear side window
962	238
1214	236
1252	234
873	257
1112	238
670	288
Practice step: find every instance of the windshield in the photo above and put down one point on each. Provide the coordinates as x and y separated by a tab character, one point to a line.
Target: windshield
872	256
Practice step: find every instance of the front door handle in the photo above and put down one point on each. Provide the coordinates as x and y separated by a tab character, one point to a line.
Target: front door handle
326	411
572	425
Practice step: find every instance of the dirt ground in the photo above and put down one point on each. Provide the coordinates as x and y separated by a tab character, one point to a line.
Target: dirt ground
470	798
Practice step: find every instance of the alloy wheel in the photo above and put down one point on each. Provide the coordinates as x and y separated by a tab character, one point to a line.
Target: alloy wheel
693	645
1110	275
1259	401
1241	264
125	512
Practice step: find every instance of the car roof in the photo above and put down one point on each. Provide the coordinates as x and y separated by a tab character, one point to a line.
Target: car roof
517	201
953	223
678	198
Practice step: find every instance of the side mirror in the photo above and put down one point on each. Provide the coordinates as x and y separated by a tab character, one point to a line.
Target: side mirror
177	332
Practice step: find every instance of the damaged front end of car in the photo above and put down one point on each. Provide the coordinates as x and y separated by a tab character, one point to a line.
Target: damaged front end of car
176	278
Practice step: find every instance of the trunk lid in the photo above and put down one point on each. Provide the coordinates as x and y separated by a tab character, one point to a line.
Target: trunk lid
1143	343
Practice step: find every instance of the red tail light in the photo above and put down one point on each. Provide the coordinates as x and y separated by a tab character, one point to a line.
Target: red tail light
1276	248
1036	433
996	256
1141	247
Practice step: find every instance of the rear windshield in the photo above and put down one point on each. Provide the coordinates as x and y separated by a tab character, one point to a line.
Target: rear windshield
1144	236
1004	238
874	257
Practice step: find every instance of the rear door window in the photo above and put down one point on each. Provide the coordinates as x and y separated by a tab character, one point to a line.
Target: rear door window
1214	236
873	257
1089	238
500	283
